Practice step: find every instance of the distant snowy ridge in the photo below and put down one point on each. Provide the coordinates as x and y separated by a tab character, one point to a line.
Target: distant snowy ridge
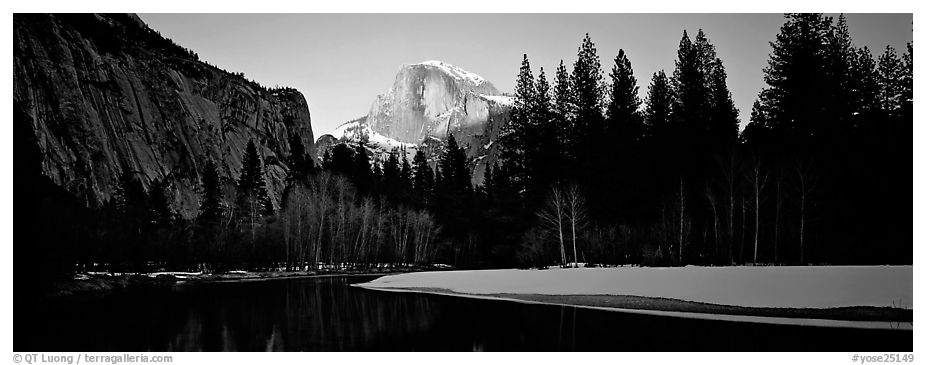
360	132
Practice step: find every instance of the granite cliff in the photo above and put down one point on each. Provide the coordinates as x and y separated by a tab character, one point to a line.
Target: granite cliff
107	95
428	101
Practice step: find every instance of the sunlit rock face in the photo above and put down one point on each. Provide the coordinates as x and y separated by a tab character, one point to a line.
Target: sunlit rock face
106	96
428	101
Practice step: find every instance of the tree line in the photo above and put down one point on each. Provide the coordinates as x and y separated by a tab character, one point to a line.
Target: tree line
672	181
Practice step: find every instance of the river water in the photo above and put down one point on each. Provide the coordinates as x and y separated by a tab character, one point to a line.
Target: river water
327	314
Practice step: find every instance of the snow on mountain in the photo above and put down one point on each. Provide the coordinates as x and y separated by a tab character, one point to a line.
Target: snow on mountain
427	102
377	144
499	99
455	71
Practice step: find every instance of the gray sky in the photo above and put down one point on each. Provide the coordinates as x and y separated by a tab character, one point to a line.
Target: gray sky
340	62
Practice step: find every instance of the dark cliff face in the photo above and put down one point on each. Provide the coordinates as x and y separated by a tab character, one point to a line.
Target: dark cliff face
108	96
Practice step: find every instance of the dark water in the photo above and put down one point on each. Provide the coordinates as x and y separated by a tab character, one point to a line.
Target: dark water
326	314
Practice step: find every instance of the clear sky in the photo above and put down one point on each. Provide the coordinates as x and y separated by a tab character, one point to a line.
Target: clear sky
340	62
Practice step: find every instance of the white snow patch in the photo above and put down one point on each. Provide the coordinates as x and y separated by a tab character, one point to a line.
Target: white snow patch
769	287
354	130
455	72
179	274
499	99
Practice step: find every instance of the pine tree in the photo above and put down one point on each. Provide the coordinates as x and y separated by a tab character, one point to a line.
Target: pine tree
391	172
405	175
423	177
252	198
563	108
796	77
516	135
891	77
590	144
587	85
623	118
839	55
864	87
362	171
724	117
453	163
659	102
211	196
543	146
299	163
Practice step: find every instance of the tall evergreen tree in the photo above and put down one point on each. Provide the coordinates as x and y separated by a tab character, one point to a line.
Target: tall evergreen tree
299	163
838	55
405	175
211	196
796	76
391	175
891	77
252	198
453	167
516	135
659	102
624	122
587	95
590	144
908	78
423	176
543	146
864	87
362	171
724	117
563	110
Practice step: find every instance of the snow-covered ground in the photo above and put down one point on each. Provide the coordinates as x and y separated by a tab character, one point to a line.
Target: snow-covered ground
768	286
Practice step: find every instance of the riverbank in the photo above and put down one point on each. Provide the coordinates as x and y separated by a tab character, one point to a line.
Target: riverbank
864	297
98	282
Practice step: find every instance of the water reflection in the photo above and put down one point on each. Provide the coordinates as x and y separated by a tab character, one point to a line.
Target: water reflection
326	314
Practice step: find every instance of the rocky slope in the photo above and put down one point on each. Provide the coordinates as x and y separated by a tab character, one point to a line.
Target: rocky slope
107	95
428	101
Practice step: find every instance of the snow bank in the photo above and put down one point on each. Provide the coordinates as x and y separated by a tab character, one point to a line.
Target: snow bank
770	287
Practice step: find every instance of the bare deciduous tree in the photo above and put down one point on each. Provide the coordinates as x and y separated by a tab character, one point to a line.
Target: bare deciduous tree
806	184
575	204
757	179
553	216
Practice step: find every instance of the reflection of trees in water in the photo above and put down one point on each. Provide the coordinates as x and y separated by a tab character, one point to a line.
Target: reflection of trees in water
292	315
325	314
